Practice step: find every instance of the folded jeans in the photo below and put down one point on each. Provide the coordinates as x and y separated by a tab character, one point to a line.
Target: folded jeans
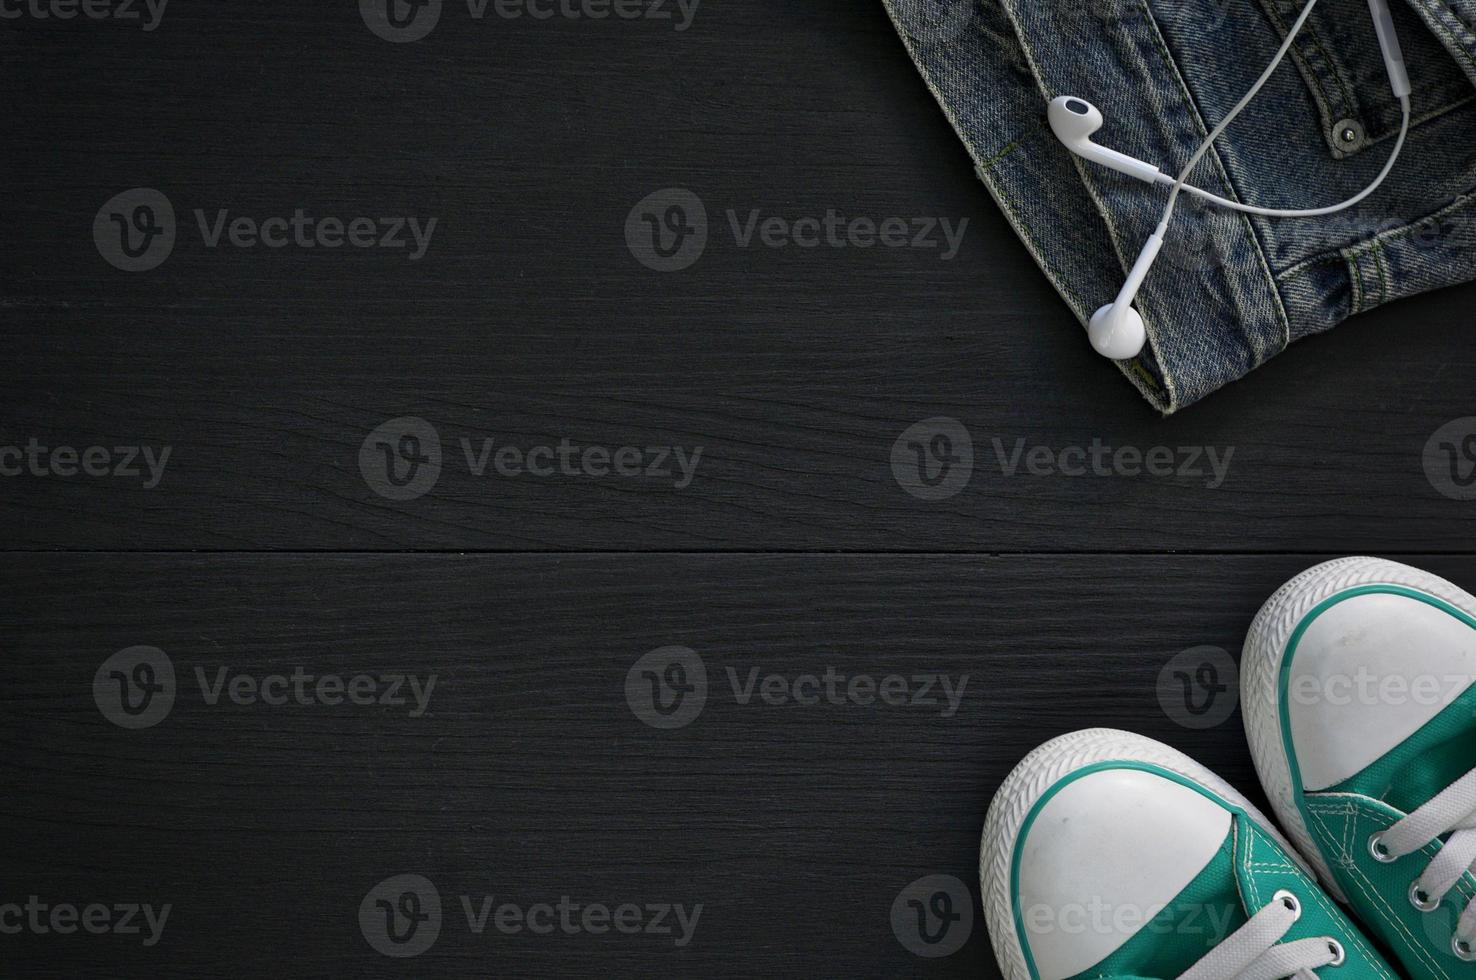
1229	290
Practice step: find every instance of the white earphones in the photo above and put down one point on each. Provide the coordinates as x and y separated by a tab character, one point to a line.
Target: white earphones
1075	120
1116	330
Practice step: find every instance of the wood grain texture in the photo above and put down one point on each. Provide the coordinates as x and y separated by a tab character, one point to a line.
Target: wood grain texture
530	321
530	777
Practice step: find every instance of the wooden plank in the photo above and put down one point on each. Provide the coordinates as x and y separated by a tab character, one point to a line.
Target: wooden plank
529	320
530	775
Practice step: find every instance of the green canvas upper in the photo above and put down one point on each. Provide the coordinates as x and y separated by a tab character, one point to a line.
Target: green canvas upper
1344	817
1245	874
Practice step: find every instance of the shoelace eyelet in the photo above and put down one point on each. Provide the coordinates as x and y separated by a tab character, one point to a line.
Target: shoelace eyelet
1379	851
1293	904
1339	954
1462	949
1421	899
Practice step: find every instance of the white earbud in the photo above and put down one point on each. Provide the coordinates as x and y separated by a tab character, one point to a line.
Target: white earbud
1116	330
1074	121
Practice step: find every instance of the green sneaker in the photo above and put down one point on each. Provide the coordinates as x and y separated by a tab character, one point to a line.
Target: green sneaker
1357	690
1107	854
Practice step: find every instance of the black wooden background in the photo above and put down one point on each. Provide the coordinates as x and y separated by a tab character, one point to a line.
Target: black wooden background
796	548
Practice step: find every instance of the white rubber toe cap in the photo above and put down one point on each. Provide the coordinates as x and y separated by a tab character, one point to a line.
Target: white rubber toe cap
1368	673
1103	856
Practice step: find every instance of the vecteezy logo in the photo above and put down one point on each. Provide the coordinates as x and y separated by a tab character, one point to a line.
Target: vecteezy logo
667	688
401	460
1199	687
933	459
134	231
1450	459
667	230
401	916
933	21
134	688
933	916
400	21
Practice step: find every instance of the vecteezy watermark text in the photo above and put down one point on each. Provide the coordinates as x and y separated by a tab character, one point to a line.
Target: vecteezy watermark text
402	459
402	916
668	230
572	918
40	918
303	230
146	13
934	459
1099	917
137	688
833	230
668	688
405	21
1209	463
1365	688
136	231
35	458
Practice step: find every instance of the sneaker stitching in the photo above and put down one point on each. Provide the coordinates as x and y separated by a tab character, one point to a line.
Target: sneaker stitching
1366	886
1320	899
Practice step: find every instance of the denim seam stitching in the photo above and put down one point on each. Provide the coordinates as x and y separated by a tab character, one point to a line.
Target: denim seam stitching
1366	279
1335	70
1167	393
1443	29
1214	156
1420	120
1468	26
1356	108
1164	398
1007	203
988	165
1368	260
1355	280
1305	68
1354	250
1381	263
1460	18
1435	113
1455	14
1311	71
1435	20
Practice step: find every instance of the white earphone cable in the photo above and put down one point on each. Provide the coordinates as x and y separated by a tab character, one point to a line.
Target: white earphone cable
1181	184
1310	212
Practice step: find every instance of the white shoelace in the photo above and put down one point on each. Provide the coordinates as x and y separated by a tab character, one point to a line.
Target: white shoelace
1255	951
1452	811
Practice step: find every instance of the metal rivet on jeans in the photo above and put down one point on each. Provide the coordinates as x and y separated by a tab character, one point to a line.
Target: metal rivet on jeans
1348	134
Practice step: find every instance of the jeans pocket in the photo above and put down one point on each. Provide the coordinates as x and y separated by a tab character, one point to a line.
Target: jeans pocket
1337	54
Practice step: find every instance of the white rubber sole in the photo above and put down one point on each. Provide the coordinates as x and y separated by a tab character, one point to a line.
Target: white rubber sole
1031	779
1260	674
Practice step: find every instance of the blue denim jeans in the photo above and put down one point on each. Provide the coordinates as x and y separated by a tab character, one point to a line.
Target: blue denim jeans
1229	290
